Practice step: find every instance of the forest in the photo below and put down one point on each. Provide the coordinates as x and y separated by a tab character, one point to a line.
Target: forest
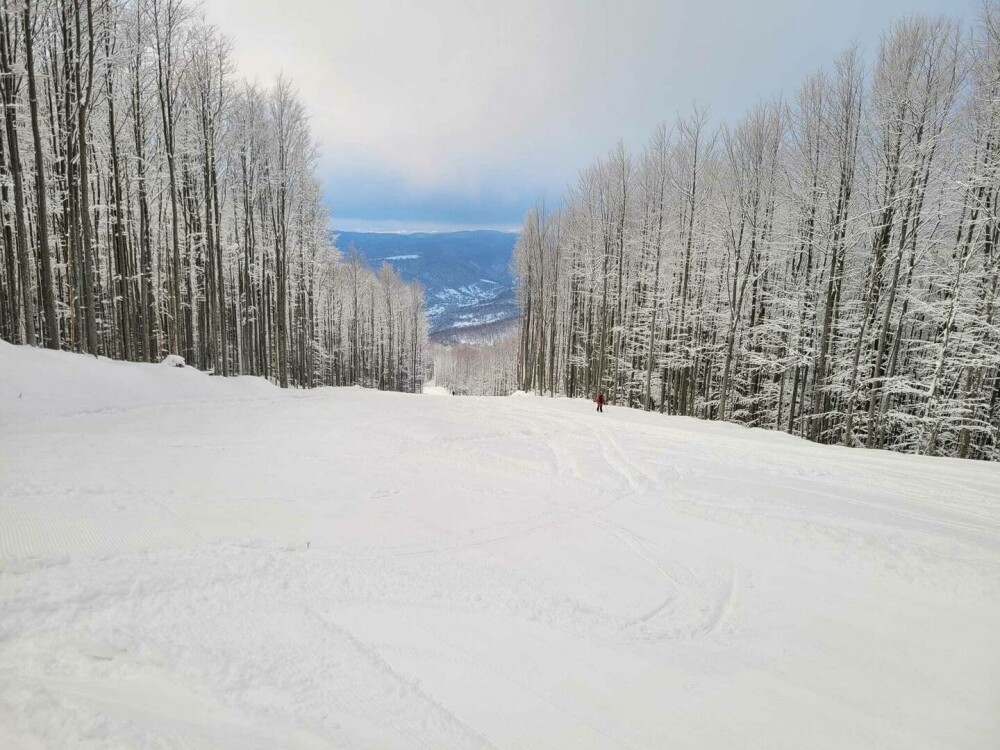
827	265
481	368
155	203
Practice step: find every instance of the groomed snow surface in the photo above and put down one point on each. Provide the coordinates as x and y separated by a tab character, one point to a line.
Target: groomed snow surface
198	562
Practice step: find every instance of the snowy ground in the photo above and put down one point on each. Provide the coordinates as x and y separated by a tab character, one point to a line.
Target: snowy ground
195	562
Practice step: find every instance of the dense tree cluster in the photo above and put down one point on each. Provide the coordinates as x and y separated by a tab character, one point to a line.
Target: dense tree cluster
826	266
153	204
480	369
377	327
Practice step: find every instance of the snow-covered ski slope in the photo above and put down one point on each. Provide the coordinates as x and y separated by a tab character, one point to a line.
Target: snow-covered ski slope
193	562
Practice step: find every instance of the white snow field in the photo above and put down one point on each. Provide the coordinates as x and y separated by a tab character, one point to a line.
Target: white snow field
198	562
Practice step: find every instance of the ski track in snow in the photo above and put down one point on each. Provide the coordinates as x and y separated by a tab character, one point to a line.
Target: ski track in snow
193	562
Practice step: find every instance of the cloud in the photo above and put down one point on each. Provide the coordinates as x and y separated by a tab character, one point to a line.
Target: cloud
445	110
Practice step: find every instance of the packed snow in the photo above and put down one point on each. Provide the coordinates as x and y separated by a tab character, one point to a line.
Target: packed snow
198	562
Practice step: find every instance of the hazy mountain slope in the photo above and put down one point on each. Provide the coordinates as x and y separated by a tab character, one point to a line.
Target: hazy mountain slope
466	275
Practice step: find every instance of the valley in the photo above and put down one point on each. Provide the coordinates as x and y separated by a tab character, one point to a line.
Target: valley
466	275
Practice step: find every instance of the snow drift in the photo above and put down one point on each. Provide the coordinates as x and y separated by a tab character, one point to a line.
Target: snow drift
190	561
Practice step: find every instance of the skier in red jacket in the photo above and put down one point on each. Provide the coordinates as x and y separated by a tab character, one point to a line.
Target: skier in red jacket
601	401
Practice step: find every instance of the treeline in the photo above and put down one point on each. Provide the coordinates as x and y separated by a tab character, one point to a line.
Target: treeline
153	204
826	266
483	369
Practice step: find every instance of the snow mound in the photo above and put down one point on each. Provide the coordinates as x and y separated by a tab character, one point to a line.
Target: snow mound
173	360
39	383
189	561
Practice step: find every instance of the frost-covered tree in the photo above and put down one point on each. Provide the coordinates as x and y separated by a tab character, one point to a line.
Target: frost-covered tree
152	203
486	368
826	266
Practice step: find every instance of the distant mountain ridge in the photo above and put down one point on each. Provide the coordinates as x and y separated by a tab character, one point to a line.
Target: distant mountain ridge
466	275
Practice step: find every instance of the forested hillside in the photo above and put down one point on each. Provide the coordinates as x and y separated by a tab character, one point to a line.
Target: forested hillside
465	275
827	265
152	203
484	368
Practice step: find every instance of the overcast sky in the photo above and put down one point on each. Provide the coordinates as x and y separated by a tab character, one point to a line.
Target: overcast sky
448	113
